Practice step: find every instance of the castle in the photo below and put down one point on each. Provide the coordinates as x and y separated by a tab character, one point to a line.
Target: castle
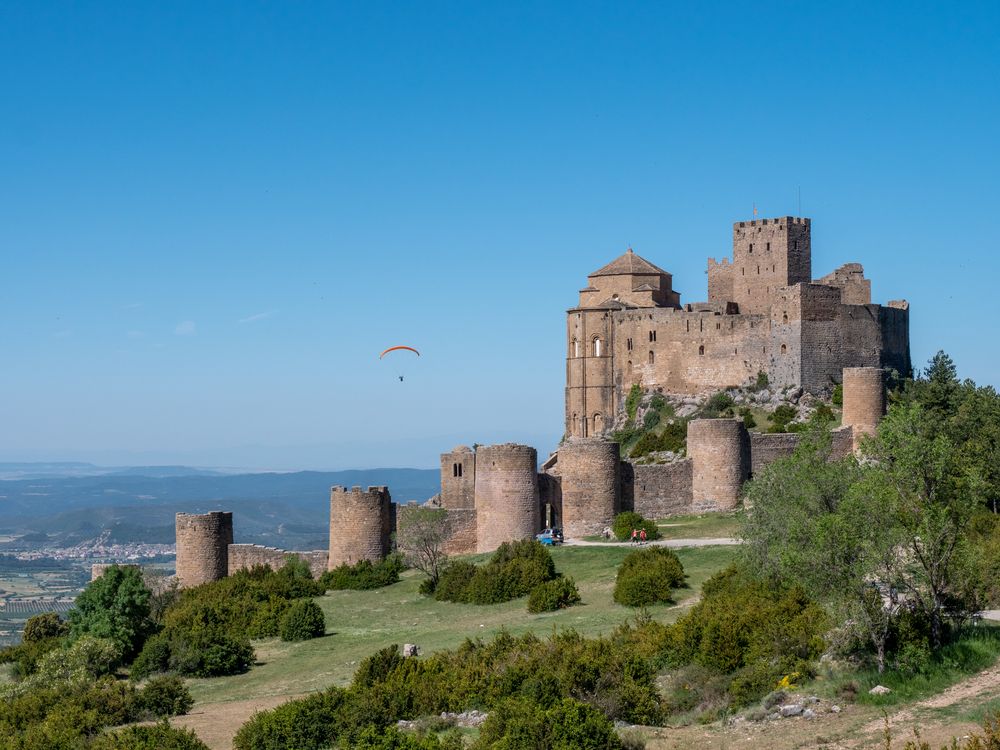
764	315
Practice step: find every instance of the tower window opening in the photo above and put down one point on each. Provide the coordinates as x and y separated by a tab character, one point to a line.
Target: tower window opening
718	326
768	247
597	347
688	324
628	344
652	358
758	270
576	348
701	350
701	325
751	248
796	246
784	349
784	317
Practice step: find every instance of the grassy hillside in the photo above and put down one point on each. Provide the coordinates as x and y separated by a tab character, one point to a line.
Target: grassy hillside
360	622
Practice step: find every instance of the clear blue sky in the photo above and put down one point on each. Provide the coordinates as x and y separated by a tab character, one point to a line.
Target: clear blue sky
213	216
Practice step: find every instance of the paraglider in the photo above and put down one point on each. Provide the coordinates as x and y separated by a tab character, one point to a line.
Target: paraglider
396	349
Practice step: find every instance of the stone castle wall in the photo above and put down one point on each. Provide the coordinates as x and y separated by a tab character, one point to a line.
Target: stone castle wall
657	490
458	478
360	525
507	505
202	547
590	483
720	451
246	556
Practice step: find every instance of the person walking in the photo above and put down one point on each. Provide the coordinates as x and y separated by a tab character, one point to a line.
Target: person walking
642	536
635	536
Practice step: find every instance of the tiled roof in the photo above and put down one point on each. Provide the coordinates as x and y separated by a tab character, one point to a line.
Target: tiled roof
629	263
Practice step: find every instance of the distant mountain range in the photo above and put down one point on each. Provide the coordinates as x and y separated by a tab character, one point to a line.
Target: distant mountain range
72	503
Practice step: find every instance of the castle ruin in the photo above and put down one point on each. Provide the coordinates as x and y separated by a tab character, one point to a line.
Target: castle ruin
764	315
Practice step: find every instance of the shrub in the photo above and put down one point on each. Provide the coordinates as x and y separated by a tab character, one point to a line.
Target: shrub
26	655
304	620
513	571
838	395
625	522
209	653
632	400
158	737
567	725
309	723
154	657
781	416
165	696
823	413
44	626
748	420
552	595
650	419
761	382
114	606
718	404
364	575
647	577
749	631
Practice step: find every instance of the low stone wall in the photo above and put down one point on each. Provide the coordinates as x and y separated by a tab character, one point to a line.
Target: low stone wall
766	448
843	443
461	527
245	556
657	490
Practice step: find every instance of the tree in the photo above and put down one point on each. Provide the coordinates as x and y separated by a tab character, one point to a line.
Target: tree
421	537
929	495
44	626
114	606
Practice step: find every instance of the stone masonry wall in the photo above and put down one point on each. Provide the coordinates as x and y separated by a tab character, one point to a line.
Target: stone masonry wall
458	478
246	556
657	490
591	497
864	400
202	547
506	494
360	525
766	448
461	527
720	450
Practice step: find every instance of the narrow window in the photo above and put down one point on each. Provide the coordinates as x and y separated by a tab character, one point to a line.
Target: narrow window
758	269
652	357
796	245
576	348
743	272
784	317
460	469
597	347
454	470
701	350
783	349
718	326
628	344
734	352
768	247
701	325
688	322
751	248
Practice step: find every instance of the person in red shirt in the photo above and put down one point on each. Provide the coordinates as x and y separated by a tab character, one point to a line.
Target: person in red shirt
642	537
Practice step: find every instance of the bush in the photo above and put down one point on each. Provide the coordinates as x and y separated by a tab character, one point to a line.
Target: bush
748	420
209	653
567	725
650	419
781	416
513	571
632	400
761	382
552	595
838	395
114	606
158	737
364	575
647	577
309	723
154	657
749	631
44	626
26	655
626	522
165	696
719	404
304	620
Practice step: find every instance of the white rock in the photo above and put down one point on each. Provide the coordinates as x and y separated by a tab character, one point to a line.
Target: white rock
808	714
879	690
835	709
792	709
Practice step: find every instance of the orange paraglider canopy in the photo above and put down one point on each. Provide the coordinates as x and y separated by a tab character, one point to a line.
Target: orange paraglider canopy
396	348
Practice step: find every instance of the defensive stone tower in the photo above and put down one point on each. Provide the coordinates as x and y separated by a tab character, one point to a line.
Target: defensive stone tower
360	525
458	478
507	505
591	491
720	454
767	254
203	547
864	400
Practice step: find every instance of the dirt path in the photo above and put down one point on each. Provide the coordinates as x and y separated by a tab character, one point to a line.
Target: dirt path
725	541
217	723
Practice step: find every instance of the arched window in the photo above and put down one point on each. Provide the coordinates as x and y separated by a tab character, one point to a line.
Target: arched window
783	349
784	317
701	350
652	358
597	347
598	423
576	348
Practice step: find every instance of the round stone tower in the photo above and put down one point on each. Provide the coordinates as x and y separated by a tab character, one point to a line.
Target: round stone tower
360	525
864	400
591	488
203	547
719	450
507	505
